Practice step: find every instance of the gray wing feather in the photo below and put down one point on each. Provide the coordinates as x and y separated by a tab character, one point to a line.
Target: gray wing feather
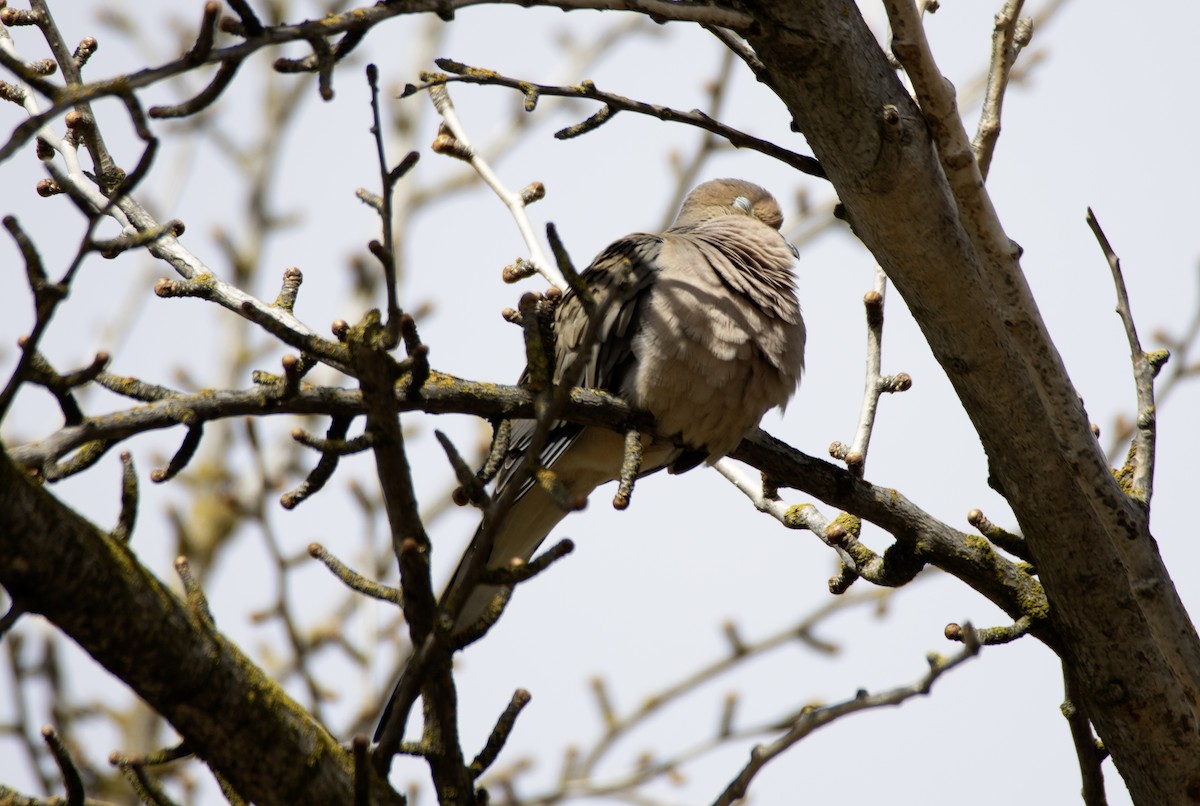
625	268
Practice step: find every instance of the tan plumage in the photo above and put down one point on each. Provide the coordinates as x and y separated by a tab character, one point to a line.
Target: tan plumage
705	334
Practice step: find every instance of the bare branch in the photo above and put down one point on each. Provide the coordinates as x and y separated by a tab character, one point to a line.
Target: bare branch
741	48
70	773
388	177
793	517
250	22
349	22
990	636
500	733
205	98
614	103
580	777
129	500
332	447
1003	582
631	466
811	719
459	145
1145	367
1088	749
1012	543
351	578
876	383
1012	33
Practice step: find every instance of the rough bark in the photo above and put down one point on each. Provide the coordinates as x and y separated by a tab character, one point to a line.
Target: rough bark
93	588
1117	618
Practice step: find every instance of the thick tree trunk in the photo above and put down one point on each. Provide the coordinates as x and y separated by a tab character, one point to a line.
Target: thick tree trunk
1115	614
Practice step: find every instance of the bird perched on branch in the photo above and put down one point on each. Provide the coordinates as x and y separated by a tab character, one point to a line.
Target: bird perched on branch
699	326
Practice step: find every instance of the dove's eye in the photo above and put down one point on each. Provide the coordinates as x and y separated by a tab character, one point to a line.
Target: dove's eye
744	204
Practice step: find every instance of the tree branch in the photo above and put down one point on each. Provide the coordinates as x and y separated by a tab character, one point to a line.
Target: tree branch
613	103
94	589
1145	368
810	719
1011	35
458	145
354	20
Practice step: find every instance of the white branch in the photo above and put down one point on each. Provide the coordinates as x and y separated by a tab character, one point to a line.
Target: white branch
1011	34
133	218
515	202
872	386
801	516
75	176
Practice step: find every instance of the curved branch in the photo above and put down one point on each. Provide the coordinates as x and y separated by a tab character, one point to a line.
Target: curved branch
810	719
613	103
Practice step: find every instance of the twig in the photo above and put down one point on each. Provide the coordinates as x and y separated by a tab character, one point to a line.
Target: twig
1088	749
873	301
516	203
1004	582
108	175
72	781
582	57
1145	367
351	578
1012	33
388	177
197	601
123	532
811	719
1012	543
250	22
740	48
356	20
990	636
147	789
95	206
876	383
631	466
332	447
203	99
617	726
500	733
807	517
1182	367
133	220
614	103
898	565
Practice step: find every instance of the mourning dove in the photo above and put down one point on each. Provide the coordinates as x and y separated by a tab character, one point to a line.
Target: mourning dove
704	333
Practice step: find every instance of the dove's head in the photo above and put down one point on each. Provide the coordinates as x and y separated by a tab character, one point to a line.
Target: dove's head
722	197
